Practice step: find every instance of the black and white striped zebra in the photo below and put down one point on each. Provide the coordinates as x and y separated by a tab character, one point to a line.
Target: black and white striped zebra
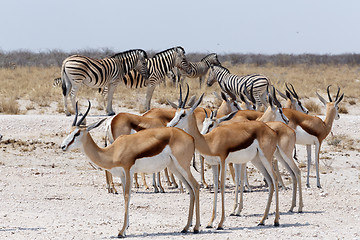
234	84
198	69
94	73
159	66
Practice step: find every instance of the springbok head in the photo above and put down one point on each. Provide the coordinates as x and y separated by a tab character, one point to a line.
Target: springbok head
78	131
332	106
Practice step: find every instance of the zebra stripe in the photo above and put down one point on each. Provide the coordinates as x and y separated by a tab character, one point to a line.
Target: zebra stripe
80	70
198	69
159	65
57	82
234	84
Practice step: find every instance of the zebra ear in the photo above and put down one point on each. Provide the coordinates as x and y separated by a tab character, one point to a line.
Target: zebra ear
174	105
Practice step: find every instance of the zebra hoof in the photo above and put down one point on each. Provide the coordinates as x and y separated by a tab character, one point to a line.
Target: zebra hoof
111	114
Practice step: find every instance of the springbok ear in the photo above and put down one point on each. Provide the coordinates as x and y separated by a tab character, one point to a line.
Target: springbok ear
340	98
95	125
227	117
197	103
191	101
174	105
281	94
321	99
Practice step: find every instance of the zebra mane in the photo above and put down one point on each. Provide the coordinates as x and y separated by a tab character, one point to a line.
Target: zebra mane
127	53
208	56
168	50
223	68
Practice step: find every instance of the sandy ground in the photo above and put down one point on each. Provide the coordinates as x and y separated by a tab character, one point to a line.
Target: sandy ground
48	194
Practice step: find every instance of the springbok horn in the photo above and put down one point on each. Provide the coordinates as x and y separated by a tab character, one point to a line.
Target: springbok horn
211	114
180	97
215	112
84	116
337	94
276	101
328	92
294	92
76	114
206	115
186	97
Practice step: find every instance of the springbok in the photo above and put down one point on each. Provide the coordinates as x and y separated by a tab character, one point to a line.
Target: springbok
150	150
311	130
237	143
285	143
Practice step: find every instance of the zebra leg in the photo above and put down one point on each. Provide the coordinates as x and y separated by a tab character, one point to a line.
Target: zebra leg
109	109
73	92
201	81
149	92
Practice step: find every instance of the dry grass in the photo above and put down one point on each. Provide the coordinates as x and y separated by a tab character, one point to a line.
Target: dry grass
9	106
313	107
35	84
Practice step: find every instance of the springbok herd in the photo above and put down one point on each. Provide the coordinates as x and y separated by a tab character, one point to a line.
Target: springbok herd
228	137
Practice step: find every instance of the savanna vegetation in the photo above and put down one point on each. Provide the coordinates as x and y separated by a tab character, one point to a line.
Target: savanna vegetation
27	78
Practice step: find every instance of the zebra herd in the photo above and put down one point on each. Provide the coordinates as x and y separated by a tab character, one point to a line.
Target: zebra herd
134	69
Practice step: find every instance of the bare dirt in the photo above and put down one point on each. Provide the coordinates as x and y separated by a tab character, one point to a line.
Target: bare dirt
49	194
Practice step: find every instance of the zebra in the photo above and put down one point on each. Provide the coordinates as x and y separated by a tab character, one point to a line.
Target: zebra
159	66
77	70
237	85
198	69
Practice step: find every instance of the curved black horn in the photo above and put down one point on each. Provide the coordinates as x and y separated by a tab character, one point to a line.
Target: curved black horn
84	116
337	94
276	101
186	96
206	115
76	114
180	97
328	92
294	92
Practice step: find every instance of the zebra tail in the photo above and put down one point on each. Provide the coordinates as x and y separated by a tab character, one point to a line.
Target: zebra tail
63	86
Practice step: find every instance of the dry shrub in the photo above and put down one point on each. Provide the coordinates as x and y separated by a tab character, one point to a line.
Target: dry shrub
9	106
313	107
352	102
343	109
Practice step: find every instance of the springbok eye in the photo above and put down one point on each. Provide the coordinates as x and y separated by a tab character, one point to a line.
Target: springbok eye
77	134
182	115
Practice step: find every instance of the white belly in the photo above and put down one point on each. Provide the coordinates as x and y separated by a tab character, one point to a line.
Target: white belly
148	164
241	156
153	164
304	138
244	155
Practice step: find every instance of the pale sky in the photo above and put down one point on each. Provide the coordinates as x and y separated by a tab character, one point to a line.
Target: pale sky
252	26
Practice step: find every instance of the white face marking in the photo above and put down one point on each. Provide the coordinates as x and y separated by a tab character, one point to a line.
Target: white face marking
208	125
179	119
72	141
